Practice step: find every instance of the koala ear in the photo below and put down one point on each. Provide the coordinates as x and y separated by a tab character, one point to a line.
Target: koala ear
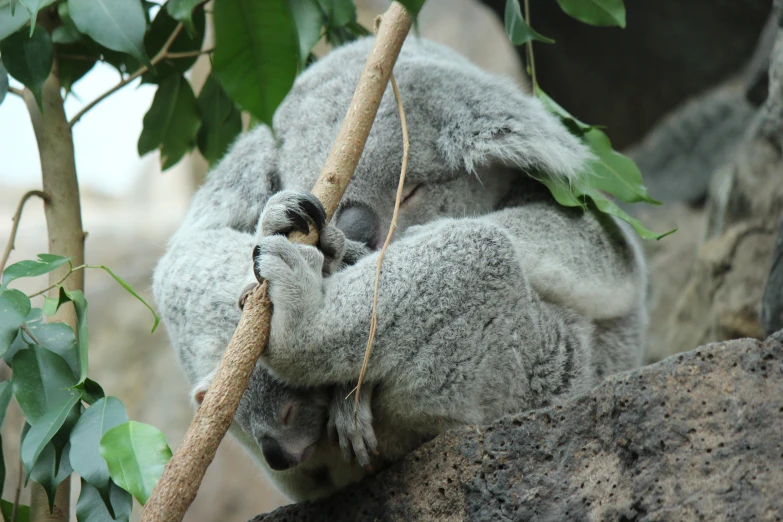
200	389
500	124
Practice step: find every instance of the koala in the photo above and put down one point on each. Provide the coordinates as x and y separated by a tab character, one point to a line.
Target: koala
493	298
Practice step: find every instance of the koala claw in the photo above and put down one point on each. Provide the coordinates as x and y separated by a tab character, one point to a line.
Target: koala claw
244	295
356	439
289	210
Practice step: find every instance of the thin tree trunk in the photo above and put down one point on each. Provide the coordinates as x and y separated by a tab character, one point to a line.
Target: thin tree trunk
66	237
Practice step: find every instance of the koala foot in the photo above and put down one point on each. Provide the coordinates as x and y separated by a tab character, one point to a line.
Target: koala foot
289	210
356	439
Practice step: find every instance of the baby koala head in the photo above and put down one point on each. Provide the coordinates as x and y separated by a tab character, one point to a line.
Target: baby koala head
286	422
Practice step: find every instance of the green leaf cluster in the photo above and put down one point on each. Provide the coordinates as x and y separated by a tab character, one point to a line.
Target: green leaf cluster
609	172
71	426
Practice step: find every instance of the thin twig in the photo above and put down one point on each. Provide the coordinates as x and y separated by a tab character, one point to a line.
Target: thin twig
530	60
188	54
19	478
29	333
78	57
14	90
157	59
400	186
58	283
16	219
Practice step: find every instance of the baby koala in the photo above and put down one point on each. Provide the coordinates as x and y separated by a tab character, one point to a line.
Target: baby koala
287	422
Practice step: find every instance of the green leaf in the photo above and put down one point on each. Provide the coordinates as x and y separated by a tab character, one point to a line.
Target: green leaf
56	337
136	454
22	512
117	24
91	507
92	391
73	69
33	268
29	59
517	29
44	429
132	292
595	12
52	304
182	11
607	206
308	19
172	122
33	6
574	126
82	335
338	12
613	172
160	31
256	53
65	34
413	6
49	472
5	398
3	82
221	122
41	381
14	308
86	437
576	196
11	21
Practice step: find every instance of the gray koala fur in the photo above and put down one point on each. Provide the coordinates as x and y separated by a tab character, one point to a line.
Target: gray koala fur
493	298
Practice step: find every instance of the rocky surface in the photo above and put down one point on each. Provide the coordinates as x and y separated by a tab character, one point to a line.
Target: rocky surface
698	436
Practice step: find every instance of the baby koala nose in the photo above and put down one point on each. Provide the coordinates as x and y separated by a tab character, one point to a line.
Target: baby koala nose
275	455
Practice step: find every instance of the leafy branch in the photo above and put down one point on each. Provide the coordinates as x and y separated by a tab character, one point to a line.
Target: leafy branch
162	55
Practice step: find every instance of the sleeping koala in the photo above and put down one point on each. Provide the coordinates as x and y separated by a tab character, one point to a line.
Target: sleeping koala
493	298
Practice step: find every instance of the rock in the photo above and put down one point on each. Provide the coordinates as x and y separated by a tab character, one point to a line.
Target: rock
772	301
722	297
698	436
679	156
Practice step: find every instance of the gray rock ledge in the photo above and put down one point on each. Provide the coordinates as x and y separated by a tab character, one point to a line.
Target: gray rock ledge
697	436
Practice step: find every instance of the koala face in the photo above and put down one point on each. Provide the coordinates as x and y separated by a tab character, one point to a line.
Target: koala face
286	422
365	216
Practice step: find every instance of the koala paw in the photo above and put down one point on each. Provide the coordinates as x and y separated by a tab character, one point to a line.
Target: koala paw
356	440
289	210
294	275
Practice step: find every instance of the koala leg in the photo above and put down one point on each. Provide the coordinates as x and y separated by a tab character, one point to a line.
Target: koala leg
356	438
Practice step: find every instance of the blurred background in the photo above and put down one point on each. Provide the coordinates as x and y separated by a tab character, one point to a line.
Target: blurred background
680	90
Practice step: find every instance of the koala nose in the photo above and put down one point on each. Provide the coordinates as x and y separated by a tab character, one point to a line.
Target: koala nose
275	456
359	223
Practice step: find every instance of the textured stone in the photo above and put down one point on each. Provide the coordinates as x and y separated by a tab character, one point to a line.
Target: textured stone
698	436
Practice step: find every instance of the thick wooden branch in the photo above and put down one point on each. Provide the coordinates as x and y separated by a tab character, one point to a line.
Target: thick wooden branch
182	476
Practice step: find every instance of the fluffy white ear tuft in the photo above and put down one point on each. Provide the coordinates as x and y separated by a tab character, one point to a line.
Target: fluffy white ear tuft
503	125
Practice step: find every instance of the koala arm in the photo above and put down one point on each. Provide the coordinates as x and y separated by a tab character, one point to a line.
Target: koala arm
208	260
455	304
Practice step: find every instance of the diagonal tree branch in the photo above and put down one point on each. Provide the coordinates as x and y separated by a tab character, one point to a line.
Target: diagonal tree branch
182	476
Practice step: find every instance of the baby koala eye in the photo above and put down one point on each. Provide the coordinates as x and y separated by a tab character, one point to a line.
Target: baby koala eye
287	414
